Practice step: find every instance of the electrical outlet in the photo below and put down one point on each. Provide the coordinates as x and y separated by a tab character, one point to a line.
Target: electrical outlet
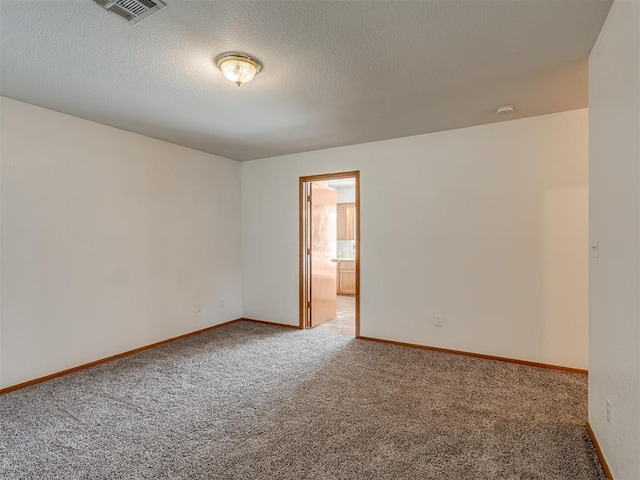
221	304
608	411
437	321
198	308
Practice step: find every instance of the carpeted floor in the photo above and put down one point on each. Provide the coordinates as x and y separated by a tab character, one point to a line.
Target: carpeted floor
250	401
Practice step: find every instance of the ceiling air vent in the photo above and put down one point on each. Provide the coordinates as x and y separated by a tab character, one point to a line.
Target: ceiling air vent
132	11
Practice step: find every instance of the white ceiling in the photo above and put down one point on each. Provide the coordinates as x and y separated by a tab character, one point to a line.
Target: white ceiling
335	72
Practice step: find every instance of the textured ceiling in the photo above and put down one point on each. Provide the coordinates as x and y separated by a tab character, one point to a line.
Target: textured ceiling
335	72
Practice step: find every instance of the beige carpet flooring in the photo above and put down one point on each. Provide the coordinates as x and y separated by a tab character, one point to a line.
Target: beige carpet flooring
251	401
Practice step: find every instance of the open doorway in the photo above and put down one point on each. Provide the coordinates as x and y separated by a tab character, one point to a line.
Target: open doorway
330	253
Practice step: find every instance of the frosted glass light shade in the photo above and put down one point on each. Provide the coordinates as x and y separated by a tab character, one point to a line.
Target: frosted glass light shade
239	68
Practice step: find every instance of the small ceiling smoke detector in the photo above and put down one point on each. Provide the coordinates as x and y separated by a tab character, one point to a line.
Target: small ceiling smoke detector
238	67
132	11
505	109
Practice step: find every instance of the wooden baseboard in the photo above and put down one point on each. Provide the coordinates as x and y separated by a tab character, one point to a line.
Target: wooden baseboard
479	355
35	381
596	445
264	322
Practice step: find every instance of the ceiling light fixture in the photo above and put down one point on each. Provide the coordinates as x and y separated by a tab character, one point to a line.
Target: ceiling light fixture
238	67
505	109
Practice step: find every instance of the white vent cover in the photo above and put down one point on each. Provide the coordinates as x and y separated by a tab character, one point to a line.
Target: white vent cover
132	11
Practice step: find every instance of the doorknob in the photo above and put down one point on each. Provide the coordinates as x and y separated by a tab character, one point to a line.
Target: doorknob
334	260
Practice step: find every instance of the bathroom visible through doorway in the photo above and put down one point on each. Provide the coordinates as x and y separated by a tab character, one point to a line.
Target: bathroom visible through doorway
329	253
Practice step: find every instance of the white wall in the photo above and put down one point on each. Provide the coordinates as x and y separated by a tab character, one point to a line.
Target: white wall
494	222
344	249
614	219
109	240
346	194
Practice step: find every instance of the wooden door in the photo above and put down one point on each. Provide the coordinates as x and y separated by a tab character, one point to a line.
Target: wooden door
323	254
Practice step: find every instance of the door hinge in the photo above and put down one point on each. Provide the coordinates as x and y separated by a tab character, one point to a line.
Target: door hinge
308	304
308	251
309	198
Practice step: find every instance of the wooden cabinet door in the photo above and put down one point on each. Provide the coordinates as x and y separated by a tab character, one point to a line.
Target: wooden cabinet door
349	222
347	277
348	282
341	224
346	221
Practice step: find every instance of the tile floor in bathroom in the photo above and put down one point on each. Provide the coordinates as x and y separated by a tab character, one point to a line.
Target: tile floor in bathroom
345	322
